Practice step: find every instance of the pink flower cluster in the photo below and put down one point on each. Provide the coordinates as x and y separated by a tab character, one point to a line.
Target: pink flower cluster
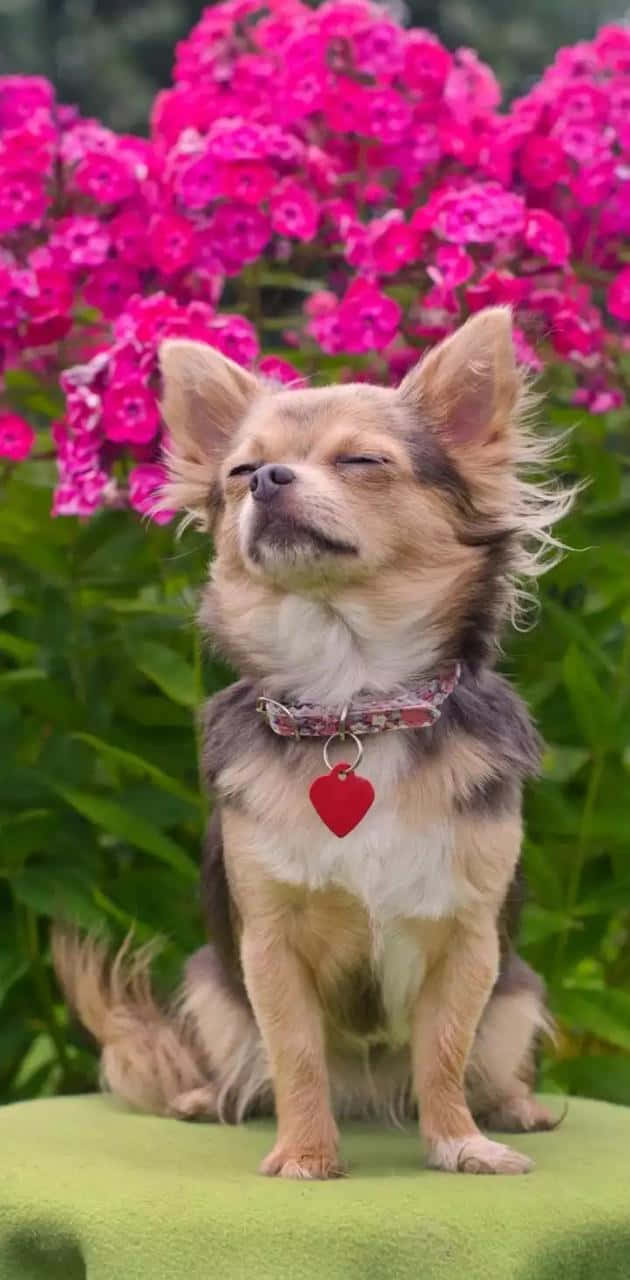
316	181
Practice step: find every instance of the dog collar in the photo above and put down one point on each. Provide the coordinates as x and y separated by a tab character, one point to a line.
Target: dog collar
418	706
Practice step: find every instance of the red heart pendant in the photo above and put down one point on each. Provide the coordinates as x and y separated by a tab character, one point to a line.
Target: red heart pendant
341	802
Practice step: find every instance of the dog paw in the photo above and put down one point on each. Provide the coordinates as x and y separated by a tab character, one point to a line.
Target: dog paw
283	1162
521	1115
196	1104
477	1154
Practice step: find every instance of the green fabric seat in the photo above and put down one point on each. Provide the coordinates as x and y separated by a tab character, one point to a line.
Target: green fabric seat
90	1191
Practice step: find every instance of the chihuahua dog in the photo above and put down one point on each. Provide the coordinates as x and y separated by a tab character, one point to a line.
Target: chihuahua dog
361	912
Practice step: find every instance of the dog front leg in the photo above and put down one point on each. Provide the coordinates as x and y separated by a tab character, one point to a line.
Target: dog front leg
446	1016
290	1021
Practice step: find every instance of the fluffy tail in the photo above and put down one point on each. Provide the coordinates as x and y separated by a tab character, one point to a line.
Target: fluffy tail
148	1057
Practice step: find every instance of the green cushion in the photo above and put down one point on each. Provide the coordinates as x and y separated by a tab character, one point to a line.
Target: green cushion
89	1191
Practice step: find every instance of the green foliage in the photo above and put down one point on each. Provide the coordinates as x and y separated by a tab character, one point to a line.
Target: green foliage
101	814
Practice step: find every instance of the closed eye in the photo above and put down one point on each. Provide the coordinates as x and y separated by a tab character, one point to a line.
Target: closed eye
360	459
244	469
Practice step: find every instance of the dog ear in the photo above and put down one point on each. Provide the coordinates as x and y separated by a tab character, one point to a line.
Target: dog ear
467	389
205	396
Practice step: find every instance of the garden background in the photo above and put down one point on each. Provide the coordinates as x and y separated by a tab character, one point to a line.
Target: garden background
336	222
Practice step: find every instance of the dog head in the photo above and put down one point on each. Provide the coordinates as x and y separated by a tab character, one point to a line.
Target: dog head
377	505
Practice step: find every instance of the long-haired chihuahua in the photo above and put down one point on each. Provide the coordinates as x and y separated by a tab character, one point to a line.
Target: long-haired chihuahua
361	874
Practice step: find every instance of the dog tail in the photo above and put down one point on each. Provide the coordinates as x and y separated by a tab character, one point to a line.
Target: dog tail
148	1053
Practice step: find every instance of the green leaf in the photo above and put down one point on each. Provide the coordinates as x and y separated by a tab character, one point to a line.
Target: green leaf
25	833
169	671
610	899
16	647
152	711
592	708
602	1013
135	764
161	608
561	763
61	893
539	923
12	968
41	1054
571	627
279	279
23	675
6	603
601	1075
129	827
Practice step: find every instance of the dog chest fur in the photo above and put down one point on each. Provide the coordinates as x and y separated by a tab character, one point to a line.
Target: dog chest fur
395	867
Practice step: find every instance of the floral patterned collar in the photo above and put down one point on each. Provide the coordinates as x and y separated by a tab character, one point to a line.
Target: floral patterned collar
416	707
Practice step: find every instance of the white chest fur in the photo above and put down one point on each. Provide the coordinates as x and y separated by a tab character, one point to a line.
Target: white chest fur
395	870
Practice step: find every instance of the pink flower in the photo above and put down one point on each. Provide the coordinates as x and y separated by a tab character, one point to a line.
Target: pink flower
612	46
542	162
618	297
23	200
324	324
81	492
294	212
478	213
30	147
198	183
105	178
249	181
85	241
593	185
148	320
128	233
83	409
454	266
368	319
233	237
235	337
145	484
16	437
384	114
582	102
130	412
328	138
109	287
396	245
546	236
48	308
495	287
525	353
278	370
21	96
471	88
344	106
378	48
585	143
172	243
576	333
427	63
236	138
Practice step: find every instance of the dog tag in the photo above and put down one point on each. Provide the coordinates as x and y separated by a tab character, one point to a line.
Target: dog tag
341	799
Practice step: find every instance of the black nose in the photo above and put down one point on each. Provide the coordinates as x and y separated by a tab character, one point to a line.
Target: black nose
266	481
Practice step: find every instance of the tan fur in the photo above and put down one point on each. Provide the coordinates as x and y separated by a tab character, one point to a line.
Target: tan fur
360	577
501	1072
147	1056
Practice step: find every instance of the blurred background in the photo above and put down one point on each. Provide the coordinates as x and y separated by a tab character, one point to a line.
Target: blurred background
110	56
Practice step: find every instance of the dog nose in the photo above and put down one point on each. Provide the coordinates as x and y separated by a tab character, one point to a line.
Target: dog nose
266	482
